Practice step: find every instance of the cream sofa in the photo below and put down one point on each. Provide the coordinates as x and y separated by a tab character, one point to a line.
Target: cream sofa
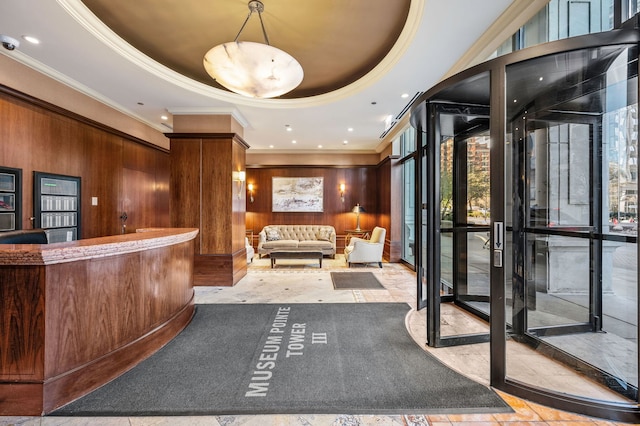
303	237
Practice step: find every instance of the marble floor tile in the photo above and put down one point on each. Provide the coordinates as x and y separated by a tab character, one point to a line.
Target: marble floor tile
300	281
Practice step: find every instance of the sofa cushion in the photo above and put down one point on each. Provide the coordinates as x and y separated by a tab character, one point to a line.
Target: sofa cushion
324	234
284	244
315	244
273	234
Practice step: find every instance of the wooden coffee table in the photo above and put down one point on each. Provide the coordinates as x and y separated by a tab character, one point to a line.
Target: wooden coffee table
295	254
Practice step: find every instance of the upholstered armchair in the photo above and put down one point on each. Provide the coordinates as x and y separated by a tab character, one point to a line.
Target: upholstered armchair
366	251
250	251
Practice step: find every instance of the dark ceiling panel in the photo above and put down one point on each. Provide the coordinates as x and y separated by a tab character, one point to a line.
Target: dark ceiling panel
336	41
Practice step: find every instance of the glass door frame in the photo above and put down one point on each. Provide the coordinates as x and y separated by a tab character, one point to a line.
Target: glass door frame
520	322
422	263
428	267
461	226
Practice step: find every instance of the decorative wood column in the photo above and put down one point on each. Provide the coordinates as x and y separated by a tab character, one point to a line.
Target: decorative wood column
206	192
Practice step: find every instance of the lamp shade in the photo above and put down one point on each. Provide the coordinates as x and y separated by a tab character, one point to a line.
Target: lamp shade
253	69
358	209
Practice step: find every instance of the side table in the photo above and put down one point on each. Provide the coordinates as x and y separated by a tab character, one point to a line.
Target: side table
360	233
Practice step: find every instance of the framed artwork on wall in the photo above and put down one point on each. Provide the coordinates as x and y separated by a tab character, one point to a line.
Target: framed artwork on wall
298	194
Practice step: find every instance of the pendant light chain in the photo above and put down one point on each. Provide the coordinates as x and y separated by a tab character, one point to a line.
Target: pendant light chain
254	6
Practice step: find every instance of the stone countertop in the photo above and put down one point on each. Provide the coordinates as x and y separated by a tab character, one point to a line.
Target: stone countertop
91	248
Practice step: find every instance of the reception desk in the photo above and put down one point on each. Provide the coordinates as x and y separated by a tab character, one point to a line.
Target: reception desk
75	315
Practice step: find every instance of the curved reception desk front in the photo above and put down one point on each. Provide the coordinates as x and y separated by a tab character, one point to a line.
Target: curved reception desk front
75	315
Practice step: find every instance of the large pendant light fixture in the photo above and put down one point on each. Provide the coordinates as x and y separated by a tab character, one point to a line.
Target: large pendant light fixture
253	69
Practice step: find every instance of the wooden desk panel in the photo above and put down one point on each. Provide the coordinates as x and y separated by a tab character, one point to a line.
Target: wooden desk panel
91	310
22	331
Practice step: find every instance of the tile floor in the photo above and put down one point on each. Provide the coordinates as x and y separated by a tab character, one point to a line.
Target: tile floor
299	281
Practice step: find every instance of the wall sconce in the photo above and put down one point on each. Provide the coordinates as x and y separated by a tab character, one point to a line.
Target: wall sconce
250	189
342	188
240	177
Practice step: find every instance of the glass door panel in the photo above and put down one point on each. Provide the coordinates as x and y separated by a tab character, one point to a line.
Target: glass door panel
619	315
478	264
473	217
558	171
572	123
408	235
619	311
558	174
446	263
446	217
560	283
423	264
465	218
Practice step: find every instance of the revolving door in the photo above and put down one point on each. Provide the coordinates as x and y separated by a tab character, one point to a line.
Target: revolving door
529	186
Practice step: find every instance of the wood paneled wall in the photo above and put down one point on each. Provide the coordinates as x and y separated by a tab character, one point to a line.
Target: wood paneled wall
123	173
362	186
126	175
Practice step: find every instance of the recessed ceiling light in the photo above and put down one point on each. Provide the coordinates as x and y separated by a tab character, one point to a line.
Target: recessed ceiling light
31	39
541	78
270	146
289	129
319	146
345	142
164	117
350	129
404	95
294	141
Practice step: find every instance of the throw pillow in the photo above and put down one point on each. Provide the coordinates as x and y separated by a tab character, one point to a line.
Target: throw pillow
323	235
273	235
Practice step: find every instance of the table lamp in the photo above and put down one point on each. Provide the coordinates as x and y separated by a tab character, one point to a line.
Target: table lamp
357	210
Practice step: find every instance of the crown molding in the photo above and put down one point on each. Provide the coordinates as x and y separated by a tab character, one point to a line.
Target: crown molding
516	15
233	112
55	75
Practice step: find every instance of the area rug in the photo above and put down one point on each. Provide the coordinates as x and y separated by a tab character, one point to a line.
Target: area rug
355	280
339	358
